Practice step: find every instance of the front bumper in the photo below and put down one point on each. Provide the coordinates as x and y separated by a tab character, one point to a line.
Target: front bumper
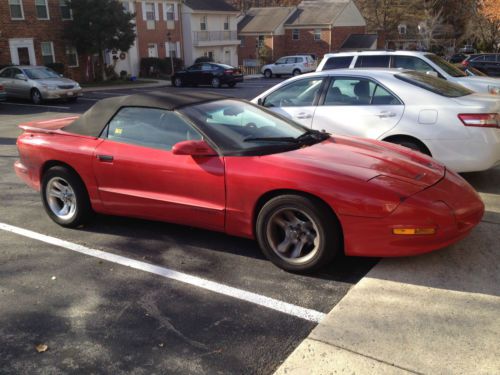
61	93
451	206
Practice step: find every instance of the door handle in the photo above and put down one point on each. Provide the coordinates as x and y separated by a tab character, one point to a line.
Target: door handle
303	115
386	114
105	158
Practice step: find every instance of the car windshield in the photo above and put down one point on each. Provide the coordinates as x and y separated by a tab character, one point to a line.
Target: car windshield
241	128
436	85
474	72
40	73
451	69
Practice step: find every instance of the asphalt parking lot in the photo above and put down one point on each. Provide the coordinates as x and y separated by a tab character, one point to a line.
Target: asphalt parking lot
133	296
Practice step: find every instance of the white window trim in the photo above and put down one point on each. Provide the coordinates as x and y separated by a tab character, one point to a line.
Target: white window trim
77	61
48	12
204	18
293	34
70	14
51	49
22	11
176	12
315	33
165	4
178	49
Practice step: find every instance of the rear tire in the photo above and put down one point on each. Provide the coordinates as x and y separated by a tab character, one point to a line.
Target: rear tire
36	96
232	84
298	233
65	197
268	73
411	144
296	72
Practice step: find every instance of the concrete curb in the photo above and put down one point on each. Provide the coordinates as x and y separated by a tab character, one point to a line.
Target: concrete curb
154	83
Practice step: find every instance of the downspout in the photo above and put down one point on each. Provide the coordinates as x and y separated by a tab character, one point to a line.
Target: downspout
181	31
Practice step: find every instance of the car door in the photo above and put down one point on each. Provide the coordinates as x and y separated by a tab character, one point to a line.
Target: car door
207	73
357	106
17	86
138	175
278	66
193	74
290	65
296	100
6	80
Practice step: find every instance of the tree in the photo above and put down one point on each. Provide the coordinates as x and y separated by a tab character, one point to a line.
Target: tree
98	25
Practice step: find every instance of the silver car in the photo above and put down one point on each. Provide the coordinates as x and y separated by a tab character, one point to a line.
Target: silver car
37	83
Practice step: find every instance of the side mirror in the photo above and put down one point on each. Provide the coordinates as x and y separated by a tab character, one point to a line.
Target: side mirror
22	77
193	148
260	101
432	73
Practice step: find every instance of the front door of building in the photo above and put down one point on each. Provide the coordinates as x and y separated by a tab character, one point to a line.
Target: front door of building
24	56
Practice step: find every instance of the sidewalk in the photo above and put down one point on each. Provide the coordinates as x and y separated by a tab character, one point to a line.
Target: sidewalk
434	314
157	83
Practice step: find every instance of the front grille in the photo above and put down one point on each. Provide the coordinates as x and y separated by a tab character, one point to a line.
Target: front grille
65	87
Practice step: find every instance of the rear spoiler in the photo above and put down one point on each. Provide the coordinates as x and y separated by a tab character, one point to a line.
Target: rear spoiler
47	127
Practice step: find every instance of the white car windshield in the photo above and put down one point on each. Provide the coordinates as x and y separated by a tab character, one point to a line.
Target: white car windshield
436	85
40	73
451	69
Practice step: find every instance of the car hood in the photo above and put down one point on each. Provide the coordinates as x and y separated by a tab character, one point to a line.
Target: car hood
56	81
366	159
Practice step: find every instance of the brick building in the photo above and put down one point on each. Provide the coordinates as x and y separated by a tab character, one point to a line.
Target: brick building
315	26
31	32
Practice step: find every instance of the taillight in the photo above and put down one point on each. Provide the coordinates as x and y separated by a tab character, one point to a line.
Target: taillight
1	88
229	71
482	120
465	63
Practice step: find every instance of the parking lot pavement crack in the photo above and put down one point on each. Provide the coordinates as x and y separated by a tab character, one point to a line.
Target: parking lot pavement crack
369	357
148	303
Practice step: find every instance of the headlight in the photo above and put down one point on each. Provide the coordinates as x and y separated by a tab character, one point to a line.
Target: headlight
50	87
494	90
77	85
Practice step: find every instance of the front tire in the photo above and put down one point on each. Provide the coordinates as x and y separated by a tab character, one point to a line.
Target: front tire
296	72
298	233
232	84
65	198
177	82
36	96
215	83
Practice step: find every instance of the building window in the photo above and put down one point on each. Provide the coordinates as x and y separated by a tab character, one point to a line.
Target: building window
42	11
242	41
295	34
71	57
226	23
317	34
260	41
16	9
126	7
150	12
47	52
169	12
203	23
66	13
171	49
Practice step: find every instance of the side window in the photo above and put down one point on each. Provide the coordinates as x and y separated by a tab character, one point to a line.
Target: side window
338	62
301	93
14	72
411	62
383	97
350	91
206	67
194	68
291	60
372	61
489	58
150	127
6	73
280	61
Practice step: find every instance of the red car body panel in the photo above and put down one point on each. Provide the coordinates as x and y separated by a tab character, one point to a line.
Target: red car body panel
372	187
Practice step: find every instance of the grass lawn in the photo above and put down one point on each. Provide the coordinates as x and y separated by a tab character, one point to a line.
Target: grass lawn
118	82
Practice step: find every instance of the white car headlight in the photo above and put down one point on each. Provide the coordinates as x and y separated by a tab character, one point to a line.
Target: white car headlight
494	90
50	87
77	85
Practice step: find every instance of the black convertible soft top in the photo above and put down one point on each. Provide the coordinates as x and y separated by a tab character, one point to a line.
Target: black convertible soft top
95	119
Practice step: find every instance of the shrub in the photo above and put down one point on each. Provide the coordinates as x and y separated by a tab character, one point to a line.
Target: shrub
158	68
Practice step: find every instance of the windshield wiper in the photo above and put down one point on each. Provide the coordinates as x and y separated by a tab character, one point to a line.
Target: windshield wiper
272	139
314	134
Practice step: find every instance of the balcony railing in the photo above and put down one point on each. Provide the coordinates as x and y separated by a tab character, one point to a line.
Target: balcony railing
214	36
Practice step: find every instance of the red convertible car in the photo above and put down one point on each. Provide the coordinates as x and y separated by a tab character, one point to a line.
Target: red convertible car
224	164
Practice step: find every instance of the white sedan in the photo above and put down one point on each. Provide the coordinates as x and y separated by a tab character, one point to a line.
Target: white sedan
457	127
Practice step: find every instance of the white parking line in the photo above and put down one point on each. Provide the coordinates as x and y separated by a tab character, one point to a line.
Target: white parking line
106	93
35	105
94	100
284	307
